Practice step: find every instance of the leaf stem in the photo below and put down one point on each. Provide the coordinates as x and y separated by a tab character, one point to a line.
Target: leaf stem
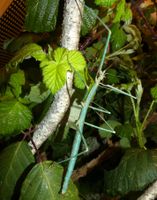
147	114
139	130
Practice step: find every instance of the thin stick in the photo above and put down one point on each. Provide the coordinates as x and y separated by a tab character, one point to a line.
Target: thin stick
100	128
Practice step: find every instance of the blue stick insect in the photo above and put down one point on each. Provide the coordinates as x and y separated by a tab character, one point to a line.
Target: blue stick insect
86	104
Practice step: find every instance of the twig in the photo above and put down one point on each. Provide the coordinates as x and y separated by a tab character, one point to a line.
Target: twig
88	167
28	134
150	193
141	14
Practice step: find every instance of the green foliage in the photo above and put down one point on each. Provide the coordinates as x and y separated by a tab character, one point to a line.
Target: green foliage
54	70
108	125
41	15
15	117
112	76
54	65
136	170
124	143
76	60
89	20
7	95
118	37
15	159
44	182
92	51
15	44
54	75
127	17
154	93
30	50
107	3
124	130
120	11
123	12
74	114
36	94
79	80
16	82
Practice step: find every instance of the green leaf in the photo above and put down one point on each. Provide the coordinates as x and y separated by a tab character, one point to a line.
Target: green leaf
124	130
54	71
14	159
15	44
112	77
110	123
127	17
91	52
8	95
154	92
137	169
36	94
44	182
76	60
125	143
79	80
41	15
61	55
47	103
89	20
16	82
118	37
74	114
54	75
120	11
30	50
107	3
15	117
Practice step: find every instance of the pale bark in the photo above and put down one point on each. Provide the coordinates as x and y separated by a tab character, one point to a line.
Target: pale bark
70	40
150	193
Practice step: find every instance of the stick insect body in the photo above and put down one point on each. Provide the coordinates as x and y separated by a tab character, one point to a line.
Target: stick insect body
88	99
81	121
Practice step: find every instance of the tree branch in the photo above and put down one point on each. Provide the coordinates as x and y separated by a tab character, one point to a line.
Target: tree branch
88	167
70	40
150	193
